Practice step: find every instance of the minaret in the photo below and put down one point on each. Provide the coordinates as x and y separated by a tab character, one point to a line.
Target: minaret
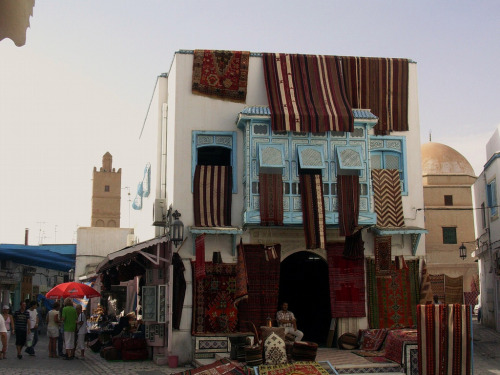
106	194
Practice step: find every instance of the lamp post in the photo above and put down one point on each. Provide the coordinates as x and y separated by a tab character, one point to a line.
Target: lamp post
176	229
463	251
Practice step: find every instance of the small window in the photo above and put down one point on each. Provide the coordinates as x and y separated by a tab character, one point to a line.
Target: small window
271	158
449	235
106	188
491	192
448	200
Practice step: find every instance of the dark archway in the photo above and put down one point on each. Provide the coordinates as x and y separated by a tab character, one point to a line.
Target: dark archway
304	285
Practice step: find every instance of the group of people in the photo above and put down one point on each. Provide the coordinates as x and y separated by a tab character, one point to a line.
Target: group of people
65	327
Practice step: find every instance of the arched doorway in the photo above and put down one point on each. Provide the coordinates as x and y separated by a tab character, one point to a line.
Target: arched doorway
304	285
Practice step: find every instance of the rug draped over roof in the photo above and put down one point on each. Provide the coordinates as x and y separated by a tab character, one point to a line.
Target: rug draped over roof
221	74
347	283
306	93
380	84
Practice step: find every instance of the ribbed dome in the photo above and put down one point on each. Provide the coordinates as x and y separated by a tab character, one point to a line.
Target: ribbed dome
441	159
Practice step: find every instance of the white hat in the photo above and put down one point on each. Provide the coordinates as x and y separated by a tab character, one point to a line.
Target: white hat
6	307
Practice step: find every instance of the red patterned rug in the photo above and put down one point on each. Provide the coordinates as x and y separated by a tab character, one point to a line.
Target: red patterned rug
221	74
348	203
263	285
392	301
271	199
383	255
380	84
213	299
311	97
347	283
437	285
387	196
212	196
296	368
313	210
220	367
444	339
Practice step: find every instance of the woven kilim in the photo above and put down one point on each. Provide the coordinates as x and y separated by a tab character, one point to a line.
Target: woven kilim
426	293
213	299
271	199
354	246
212	196
383	259
200	257
241	291
453	290
437	285
296	368
444	339
347	283
392	301
221	74
348	204
220	367
306	93
395	342
470	298
387	195
263	285
313	210
380	84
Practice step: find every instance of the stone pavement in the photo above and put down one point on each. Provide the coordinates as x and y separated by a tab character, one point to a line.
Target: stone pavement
486	356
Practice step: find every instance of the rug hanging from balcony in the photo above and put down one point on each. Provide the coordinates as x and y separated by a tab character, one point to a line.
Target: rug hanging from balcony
444	339
380	84
212	195
313	210
199	244
347	283
426	292
263	269
213	299
387	196
271	199
392	301
437	285
348	204
221	74
241	292
306	93
354	246
383	256
453	289
296	368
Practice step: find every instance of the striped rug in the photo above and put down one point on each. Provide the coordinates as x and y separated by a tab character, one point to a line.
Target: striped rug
271	199
306	93
313	210
348	202
387	194
212	196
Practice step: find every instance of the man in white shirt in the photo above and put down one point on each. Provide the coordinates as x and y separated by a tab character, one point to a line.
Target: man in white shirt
3	337
34	320
286	319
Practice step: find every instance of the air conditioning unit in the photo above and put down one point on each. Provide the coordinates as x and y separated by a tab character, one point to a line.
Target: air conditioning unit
160	213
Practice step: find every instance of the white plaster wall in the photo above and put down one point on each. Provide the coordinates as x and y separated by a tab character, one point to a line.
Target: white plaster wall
493	144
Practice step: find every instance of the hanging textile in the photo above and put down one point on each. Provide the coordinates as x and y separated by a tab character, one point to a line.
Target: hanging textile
437	285
387	196
178	290
444	339
426	293
470	298
263	285
392	300
199	245
241	292
212	195
383	255
380	84
313	210
347	283
271	199
354	246
348	203
453	289
221	74
306	93
213	299
400	262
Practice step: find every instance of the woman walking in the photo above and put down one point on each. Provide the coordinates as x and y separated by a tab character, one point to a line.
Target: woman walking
9	323
53	329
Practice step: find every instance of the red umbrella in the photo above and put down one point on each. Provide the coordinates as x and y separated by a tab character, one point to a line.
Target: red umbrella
72	290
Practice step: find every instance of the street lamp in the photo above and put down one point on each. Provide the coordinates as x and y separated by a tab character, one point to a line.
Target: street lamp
176	229
463	251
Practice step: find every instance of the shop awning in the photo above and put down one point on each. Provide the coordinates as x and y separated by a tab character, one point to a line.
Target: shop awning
139	254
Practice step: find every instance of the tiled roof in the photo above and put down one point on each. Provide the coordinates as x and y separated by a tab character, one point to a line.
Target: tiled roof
263	110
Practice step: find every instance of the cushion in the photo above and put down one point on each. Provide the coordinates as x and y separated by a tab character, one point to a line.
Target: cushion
372	339
265	332
274	350
304	351
348	341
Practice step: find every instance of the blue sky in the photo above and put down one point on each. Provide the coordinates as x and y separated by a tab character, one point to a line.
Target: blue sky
82	83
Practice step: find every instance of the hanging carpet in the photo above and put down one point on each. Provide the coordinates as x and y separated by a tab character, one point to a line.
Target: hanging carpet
213	300
347	283
426	293
354	246
212	195
380	84
453	289
444	339
221	74
392	301
383	257
313	209
199	244
470	298
241	292
437	285
263	269
271	199
306	93
348	203
387	196
296	368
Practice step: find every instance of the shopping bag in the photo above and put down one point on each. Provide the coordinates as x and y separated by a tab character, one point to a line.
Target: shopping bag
29	339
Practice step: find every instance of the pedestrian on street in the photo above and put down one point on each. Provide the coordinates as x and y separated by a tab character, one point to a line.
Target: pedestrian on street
22	327
69	317
81	326
3	337
34	321
9	322
53	329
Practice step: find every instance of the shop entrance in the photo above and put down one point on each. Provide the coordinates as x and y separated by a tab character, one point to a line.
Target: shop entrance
304	285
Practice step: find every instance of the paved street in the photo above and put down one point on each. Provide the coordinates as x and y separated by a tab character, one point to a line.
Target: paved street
486	360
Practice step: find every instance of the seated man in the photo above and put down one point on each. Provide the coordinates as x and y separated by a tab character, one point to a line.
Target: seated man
286	319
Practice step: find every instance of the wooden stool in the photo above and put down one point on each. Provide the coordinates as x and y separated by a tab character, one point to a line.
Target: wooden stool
304	351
